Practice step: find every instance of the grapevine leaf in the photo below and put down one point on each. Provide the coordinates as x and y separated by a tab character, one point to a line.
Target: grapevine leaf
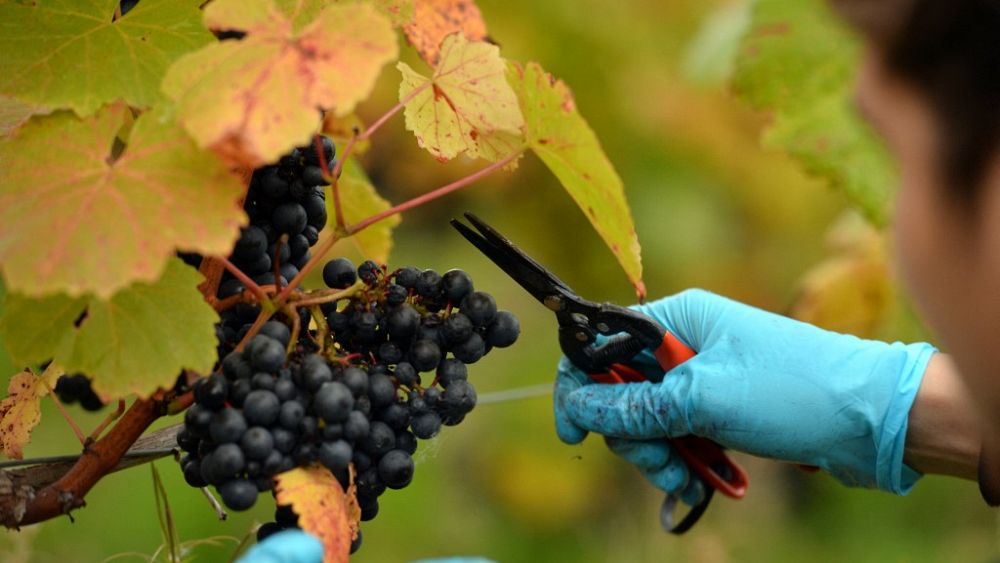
14	113
434	20
562	139
77	221
136	342
467	104
20	411
325	510
70	54
797	62
359	200
340	128
255	99
851	291
399	12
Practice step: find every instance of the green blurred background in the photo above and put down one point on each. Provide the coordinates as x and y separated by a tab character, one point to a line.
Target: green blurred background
712	209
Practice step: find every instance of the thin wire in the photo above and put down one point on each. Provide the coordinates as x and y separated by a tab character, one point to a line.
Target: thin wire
492	398
515	394
70	458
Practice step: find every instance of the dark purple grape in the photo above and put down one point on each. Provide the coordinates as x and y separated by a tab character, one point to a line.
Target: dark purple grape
289	218
257	443
333	402
210	392
451	369
504	330
227	426
424	355
238	494
456	284
426	425
407	277
339	274
395	469
480	307
261	408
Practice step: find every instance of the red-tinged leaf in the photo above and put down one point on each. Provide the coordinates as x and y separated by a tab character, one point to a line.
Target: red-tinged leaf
466	106
433	20
325	510
399	12
75	220
20	411
560	136
255	99
15	113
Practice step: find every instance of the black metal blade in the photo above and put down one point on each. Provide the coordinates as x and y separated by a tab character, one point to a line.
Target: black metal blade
523	269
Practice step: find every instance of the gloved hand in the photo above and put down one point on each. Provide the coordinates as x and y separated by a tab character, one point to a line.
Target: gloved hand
761	383
293	546
290	546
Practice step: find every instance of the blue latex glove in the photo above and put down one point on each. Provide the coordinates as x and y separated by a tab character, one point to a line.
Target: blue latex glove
294	546
761	383
290	546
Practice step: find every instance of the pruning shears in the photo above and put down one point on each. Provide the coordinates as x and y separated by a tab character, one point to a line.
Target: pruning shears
629	332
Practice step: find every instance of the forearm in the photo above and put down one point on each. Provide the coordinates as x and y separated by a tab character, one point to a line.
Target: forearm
944	432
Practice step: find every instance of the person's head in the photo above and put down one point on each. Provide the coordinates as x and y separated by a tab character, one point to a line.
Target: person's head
930	85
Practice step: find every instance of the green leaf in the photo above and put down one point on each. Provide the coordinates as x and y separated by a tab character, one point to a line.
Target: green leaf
74	220
466	106
255	99
69	54
14	113
797	61
360	201
136	342
562	139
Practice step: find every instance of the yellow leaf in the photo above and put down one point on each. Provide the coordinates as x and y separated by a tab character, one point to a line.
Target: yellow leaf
21	411
255	99
360	200
561	137
852	291
433	20
325	510
466	105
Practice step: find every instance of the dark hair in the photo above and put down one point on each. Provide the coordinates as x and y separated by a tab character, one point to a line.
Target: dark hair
950	51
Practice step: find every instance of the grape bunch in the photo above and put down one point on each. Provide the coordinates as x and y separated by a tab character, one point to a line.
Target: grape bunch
76	388
287	209
389	368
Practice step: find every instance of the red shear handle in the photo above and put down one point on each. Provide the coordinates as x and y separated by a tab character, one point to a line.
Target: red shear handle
702	455
709	462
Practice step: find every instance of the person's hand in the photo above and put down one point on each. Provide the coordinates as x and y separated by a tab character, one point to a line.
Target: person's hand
290	546
295	546
760	383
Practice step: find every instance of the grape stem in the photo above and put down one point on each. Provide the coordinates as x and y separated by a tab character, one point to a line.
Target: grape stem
65	414
246	281
435	194
112	416
321	249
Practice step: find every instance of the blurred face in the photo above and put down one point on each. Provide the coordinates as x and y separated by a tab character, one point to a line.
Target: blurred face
948	253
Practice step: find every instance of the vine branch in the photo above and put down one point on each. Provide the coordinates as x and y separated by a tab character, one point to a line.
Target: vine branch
22	503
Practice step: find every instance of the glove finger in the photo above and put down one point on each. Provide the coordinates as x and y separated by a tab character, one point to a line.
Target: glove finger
644	454
568	380
290	546
672	477
626	410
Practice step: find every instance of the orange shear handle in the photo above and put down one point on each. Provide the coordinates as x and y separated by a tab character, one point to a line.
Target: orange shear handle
702	455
